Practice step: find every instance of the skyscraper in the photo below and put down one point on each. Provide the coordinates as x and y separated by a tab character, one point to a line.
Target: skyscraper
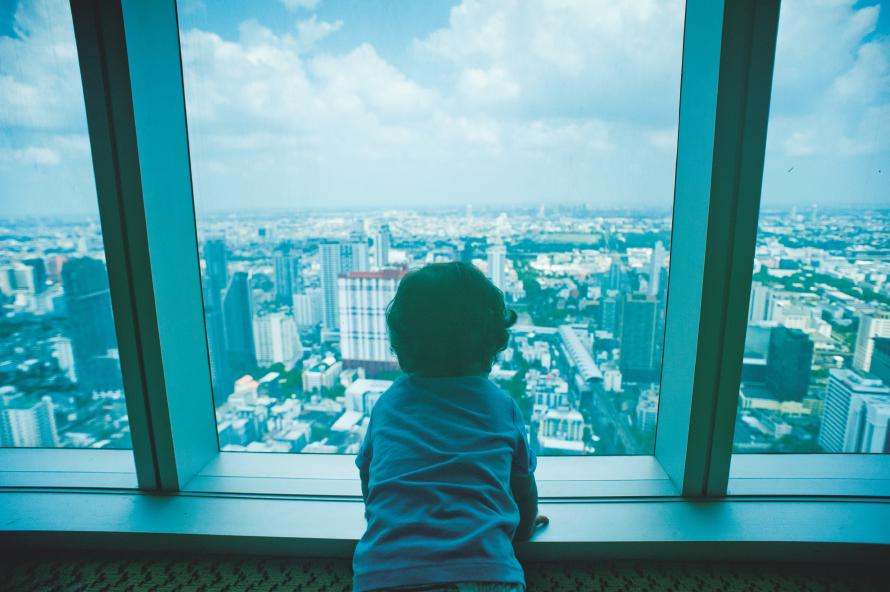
216	269
335	259
27	421
843	384
363	298
867	424
616	274
872	324
788	363
288	279
38	274
880	359
329	259
609	312
220	375
497	260
638	356
90	320
382	241
759	304
277	339
238	319
656	263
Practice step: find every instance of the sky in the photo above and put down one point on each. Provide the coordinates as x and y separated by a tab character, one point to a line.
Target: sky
303	104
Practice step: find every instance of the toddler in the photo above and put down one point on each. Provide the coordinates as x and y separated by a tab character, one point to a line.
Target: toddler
447	474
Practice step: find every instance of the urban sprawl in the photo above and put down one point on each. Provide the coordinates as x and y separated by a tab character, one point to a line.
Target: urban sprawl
298	350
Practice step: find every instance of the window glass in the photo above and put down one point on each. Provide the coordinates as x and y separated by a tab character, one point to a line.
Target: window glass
60	378
816	371
336	145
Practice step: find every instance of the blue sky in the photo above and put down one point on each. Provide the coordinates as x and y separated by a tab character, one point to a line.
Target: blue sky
307	103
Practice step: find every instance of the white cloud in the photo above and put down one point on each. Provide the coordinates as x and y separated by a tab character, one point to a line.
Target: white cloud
300	4
311	31
32	155
493	84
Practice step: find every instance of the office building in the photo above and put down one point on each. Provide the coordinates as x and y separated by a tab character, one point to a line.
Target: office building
363	393
880	359
656	264
308	308
90	319
38	274
639	362
214	321
277	339
871	324
843	385
238	317
867	424
382	242
788	363
759	305
26	421
497	261
215	269
335	259
288	277
363	298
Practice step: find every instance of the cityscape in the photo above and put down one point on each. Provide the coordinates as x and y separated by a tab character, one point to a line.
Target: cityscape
298	350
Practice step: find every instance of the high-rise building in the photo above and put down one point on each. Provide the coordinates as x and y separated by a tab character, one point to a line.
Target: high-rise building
288	279
871	324
277	339
329	259
616	274
497	261
363	298
759	304
382	241
880	359
26	421
656	263
609	312
63	352
38	274
843	384
867	424
216	269
335	259
214	320
363	394
308	308
639	362
238	319
788	363
90	319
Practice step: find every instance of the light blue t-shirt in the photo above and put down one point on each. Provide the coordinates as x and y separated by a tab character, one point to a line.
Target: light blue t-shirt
439	508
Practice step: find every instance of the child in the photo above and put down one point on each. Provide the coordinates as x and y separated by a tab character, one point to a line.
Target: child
446	471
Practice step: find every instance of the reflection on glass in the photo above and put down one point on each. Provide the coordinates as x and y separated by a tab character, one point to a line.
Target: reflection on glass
337	146
60	378
816	369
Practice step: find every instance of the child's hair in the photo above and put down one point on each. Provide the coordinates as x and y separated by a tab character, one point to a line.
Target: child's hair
448	319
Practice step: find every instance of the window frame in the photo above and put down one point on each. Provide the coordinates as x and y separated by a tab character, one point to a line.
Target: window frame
131	66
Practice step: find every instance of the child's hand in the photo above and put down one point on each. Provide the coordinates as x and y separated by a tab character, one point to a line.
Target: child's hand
540	522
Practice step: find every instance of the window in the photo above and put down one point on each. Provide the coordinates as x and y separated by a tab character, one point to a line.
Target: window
335	147
816	370
60	376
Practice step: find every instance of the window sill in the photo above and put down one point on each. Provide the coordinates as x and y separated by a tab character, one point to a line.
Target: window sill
336	475
644	528
810	474
66	467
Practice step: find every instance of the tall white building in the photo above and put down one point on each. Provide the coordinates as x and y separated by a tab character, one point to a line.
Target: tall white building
63	352
362	394
872	324
759	305
308	308
26	421
363	298
843	386
497	261
867	424
335	259
382	242
656	263
277	339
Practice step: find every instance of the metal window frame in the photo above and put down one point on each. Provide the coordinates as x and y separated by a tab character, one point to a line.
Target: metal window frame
130	63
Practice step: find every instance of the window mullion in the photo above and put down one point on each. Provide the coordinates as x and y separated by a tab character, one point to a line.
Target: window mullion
728	54
136	117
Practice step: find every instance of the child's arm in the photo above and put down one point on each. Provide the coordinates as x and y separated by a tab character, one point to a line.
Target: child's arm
525	492
365	476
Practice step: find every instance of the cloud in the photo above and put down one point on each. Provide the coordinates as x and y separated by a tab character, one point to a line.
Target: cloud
311	31
31	155
294	5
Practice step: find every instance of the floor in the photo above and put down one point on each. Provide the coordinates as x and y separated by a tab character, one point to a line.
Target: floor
70	573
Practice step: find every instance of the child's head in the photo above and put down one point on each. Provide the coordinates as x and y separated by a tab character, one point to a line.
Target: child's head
448	319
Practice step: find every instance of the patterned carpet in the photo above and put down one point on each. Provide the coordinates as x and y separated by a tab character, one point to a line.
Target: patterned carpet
241	574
